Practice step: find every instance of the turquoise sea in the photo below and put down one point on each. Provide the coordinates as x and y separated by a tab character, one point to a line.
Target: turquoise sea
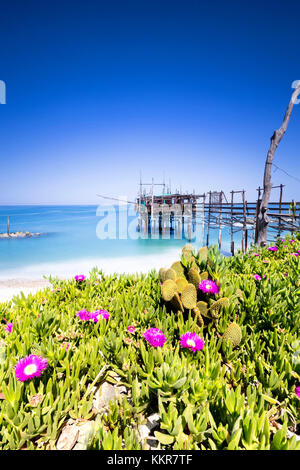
69	243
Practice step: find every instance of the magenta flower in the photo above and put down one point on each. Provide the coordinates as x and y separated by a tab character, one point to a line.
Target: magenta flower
9	327
84	315
191	341
66	346
295	254
257	277
255	254
79	277
29	367
272	248
131	329
155	337
208	287
286	274
103	314
292	241
297	391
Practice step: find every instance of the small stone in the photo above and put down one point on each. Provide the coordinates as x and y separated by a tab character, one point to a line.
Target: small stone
68	438
104	395
153	421
144	431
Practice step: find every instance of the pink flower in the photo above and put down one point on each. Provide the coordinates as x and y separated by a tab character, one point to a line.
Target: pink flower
103	314
9	327
286	274
208	287
297	391
191	341
79	277
131	329
272	248
29	367
292	241
155	337
255	254
66	345
257	277
84	315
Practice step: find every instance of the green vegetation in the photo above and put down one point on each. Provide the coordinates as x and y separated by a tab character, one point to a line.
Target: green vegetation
238	392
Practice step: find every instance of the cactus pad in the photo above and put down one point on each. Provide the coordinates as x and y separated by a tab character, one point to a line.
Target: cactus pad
168	289
176	303
161	274
170	274
178	268
198	315
189	297
217	305
204	276
233	333
181	284
203	308
194	277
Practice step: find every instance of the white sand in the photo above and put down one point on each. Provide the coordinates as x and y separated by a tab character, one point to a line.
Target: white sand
30	278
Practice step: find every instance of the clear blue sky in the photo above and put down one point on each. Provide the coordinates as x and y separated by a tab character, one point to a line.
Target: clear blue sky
97	90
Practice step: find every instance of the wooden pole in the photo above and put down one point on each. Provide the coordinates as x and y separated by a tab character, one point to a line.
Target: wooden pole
220	223
244	222
208	221
280	205
231	225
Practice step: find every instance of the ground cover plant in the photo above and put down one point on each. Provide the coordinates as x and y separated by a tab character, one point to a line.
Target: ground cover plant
209	345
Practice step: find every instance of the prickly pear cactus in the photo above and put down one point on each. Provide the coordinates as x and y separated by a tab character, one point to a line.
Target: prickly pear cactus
203	308
199	317
204	276
203	253
193	277
233	333
217	306
170	274
162	274
168	289
176	303
189	297
178	268
181	284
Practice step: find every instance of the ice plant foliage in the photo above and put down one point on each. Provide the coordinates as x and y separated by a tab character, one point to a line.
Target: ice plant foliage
155	337
79	277
29	367
208	287
191	341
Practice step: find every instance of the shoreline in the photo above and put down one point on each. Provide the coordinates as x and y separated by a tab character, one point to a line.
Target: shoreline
30	278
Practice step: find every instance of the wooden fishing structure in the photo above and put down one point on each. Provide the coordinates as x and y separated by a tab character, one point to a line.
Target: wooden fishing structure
179	214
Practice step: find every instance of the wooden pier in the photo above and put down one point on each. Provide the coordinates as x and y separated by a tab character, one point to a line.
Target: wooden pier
180	214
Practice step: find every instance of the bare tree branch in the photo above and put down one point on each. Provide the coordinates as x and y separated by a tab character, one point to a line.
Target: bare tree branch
263	219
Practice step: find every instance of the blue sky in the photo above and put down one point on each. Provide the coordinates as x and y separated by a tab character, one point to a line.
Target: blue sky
97	91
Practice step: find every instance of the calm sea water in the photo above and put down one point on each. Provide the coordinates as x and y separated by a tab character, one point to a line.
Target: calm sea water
69	243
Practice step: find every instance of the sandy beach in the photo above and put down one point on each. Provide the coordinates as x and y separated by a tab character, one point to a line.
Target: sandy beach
12	287
30	278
